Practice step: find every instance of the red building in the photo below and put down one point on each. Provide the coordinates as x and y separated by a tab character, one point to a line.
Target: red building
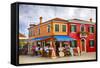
84	33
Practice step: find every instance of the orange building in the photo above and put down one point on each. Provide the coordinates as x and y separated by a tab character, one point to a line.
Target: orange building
52	32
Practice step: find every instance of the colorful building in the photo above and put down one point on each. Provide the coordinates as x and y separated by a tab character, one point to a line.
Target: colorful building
22	43
58	32
84	33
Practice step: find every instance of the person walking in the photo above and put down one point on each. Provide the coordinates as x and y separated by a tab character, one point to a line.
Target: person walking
71	51
36	50
78	50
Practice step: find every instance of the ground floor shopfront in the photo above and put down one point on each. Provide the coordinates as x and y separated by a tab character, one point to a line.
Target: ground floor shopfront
58	46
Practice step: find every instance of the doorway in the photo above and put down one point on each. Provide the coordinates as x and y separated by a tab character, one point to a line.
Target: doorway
57	47
83	45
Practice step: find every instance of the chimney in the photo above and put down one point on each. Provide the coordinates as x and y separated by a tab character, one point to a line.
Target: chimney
90	19
40	20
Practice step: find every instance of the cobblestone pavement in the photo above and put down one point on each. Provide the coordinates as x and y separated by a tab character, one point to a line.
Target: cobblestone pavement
35	59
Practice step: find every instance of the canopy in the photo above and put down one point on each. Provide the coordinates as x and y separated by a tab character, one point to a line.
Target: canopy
63	38
57	37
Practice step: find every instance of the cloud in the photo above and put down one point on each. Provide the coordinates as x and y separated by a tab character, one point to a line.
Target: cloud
30	14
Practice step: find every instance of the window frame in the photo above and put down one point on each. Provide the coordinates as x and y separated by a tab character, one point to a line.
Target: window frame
75	45
65	29
81	27
48	28
38	31
71	28
90	31
93	43
58	28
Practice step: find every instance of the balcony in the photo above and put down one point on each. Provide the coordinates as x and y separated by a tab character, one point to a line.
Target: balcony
83	34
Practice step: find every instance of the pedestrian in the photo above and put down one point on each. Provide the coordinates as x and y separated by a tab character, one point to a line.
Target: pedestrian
71	51
78	50
36	50
47	50
61	53
33	49
41	51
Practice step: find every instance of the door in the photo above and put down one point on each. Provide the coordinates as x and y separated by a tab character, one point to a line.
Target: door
57	46
83	45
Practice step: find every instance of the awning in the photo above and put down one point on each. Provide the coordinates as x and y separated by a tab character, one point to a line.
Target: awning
63	38
40	38
57	38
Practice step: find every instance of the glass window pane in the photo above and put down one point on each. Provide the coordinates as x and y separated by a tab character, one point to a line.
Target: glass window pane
73	28
74	43
56	27
91	43
91	29
48	28
64	28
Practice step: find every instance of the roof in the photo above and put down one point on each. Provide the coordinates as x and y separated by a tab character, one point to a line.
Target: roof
80	21
67	21
21	35
56	37
56	19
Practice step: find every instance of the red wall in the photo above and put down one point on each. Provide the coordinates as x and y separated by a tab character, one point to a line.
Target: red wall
76	36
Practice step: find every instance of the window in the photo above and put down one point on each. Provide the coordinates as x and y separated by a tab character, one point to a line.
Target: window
30	33
63	28
74	43
48	28
33	34
73	28
91	29
56	27
91	43
82	28
39	31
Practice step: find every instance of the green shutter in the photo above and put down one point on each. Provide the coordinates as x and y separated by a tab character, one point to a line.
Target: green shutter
74	43
73	28
56	27
64	28
91	43
92	29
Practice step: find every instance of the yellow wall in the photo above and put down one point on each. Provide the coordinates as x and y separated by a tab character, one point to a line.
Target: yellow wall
43	30
60	29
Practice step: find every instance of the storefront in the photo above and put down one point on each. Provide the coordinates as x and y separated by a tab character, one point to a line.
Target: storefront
55	44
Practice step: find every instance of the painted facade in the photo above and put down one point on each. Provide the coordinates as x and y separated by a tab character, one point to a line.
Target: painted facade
83	33
47	28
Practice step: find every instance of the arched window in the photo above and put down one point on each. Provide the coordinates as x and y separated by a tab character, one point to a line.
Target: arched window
82	28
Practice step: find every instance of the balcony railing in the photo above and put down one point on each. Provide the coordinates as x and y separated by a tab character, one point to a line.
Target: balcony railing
83	34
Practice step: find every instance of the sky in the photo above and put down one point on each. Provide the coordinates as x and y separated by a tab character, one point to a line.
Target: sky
29	14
